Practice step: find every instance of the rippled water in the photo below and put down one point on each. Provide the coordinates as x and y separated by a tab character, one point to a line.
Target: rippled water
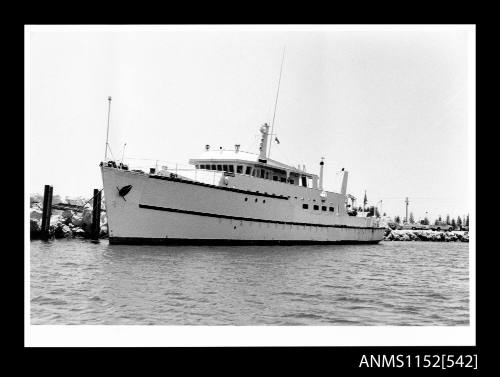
393	283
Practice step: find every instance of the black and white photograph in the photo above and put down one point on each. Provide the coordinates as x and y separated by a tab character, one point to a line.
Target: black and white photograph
250	185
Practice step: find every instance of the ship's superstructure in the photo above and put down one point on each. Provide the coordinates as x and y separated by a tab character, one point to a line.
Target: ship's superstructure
231	196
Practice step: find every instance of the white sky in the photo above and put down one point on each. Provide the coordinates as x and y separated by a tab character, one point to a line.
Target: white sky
391	106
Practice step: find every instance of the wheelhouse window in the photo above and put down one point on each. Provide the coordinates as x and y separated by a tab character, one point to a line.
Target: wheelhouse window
323	208
197	166
231	168
202	166
283	179
214	167
219	167
304	181
331	209
239	169
275	177
292	182
224	167
262	172
315	207
305	206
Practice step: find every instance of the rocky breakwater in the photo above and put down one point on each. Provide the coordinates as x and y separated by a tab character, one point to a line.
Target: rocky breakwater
66	223
426	235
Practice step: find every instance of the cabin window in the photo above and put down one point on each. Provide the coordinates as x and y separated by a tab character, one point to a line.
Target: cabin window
323	208
197	166
275	177
316	207
239	169
283	179
219	167
262	172
214	167
202	166
305	206
332	209
224	167
248	170
231	168
267	175
304	181
292	182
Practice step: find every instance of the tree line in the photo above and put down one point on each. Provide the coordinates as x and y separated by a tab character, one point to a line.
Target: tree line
457	223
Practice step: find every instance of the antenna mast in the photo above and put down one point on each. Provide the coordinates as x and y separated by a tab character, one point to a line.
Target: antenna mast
276	101
107	131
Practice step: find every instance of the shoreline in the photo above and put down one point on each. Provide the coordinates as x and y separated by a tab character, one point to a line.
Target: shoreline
426	235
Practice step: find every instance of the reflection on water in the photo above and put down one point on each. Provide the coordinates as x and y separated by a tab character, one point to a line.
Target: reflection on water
393	283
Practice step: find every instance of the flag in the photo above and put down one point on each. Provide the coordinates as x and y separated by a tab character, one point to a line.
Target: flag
276	140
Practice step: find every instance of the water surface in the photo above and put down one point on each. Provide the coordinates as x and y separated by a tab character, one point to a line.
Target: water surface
393	283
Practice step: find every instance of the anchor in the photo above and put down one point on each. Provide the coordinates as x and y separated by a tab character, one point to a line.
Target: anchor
124	191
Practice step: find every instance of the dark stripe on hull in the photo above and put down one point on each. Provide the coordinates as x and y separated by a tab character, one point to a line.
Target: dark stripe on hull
197	213
221	242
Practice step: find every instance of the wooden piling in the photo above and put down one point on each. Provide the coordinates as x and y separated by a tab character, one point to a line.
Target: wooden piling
96	215
46	211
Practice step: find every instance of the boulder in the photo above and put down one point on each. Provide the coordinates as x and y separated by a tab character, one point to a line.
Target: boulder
66	230
35	198
56	199
77	220
77	201
34	226
104	231
35	214
67	214
54	219
87	220
78	232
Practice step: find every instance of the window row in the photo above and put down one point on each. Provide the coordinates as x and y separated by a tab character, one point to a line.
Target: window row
316	207
256	172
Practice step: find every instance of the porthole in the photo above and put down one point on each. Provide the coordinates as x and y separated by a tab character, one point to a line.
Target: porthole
255	200
264	201
246	199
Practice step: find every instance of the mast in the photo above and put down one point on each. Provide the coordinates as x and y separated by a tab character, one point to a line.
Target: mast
107	131
276	101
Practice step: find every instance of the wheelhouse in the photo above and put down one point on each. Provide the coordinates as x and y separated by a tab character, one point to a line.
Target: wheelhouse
249	164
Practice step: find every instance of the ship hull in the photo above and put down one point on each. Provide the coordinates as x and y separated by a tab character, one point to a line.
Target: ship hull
164	211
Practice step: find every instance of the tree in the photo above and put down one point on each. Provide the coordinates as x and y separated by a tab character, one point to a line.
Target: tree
448	220
385	214
440	219
426	221
467	220
412	219
453	223
459	222
397	219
